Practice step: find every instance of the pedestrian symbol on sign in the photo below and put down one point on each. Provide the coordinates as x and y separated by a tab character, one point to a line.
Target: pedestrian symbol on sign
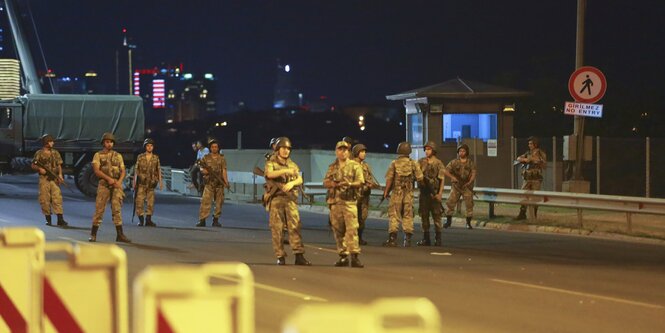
587	85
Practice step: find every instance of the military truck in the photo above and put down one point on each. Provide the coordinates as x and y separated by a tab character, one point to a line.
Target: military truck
77	123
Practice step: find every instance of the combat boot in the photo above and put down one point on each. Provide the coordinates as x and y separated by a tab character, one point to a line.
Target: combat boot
120	236
407	239
521	215
425	241
468	223
48	220
148	221
437	238
141	221
361	241
391	241
61	221
449	221
300	260
215	222
281	261
202	223
343	261
355	262
93	233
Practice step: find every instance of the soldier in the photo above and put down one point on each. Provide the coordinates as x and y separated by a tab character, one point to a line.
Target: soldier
109	167
431	194
283	177
48	163
343	180
533	163
462	173
400	176
273	143
147	174
213	168
359	154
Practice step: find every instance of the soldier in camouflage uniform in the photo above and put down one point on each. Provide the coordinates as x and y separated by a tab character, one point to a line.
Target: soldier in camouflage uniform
273	143
282	178
533	163
50	197
343	180
213	167
431	194
462	173
147	174
109	167
401	175
359	153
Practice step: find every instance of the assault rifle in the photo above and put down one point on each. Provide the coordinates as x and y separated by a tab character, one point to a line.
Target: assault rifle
52	174
273	187
214	175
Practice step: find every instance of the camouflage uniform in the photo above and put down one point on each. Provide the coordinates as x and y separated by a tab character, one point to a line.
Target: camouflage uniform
214	188
283	209
147	172
50	197
401	173
532	172
461	171
111	164
433	177
343	205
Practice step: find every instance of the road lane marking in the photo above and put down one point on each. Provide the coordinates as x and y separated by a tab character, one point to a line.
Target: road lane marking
74	240
5	221
441	253
278	290
577	293
321	248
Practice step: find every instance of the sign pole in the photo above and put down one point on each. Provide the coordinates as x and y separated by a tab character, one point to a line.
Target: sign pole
578	127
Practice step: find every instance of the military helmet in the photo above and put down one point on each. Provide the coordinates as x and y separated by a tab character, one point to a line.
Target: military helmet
108	136
282	142
357	149
463	146
272	142
348	140
534	140
148	141
430	144
342	144
404	148
211	141
46	138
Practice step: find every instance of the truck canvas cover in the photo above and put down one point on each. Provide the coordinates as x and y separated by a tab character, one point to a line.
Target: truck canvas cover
83	117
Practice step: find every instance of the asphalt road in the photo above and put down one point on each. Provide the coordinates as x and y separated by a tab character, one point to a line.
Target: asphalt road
480	280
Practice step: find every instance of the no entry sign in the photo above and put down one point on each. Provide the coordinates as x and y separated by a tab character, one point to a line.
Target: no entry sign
587	84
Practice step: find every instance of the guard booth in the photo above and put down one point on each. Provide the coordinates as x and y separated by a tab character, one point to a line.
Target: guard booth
462	111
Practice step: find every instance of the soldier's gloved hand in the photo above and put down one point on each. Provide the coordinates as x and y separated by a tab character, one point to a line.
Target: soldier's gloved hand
468	184
42	171
386	195
438	197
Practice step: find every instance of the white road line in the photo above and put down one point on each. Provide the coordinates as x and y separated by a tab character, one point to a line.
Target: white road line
74	240
278	290
321	248
577	293
5	221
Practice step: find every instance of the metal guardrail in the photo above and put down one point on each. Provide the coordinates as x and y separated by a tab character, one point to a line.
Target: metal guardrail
577	201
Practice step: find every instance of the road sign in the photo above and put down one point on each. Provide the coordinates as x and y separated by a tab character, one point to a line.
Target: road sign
583	109
587	84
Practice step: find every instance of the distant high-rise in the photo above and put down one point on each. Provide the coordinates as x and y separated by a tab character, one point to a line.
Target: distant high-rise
286	95
123	65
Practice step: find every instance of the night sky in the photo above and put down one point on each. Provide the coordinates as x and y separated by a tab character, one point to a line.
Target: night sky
360	51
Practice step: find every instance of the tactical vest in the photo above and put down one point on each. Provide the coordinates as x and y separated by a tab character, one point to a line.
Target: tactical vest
147	171
110	164
405	174
50	161
431	176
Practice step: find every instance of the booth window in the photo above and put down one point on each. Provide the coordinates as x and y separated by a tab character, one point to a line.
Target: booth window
469	125
415	128
5	117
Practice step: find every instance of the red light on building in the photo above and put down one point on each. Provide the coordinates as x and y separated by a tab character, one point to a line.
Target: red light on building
158	94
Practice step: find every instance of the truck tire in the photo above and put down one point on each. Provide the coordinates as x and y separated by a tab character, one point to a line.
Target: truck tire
87	181
21	164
